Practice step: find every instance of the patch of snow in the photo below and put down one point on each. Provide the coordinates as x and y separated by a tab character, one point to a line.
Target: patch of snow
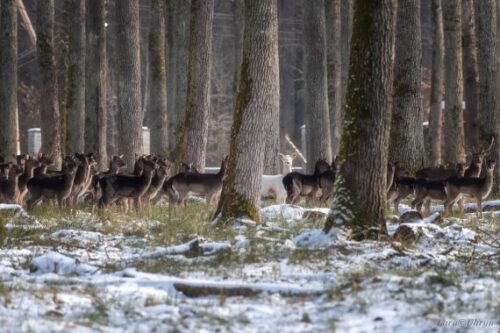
53	262
315	238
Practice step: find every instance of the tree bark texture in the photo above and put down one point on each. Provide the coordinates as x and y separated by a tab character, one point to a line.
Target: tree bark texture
75	78
334	70
9	124
407	137
345	41
470	69
435	140
316	94
96	73
360	189
171	24
49	104
454	143
130	116
181	64
239	26
158	97
488	119
194	132
258	95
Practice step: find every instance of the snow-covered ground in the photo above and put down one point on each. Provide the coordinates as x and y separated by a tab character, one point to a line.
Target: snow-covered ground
80	274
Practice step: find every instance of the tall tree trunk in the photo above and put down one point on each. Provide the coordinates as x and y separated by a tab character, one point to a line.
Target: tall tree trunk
345	44
194	132
171	24
130	115
454	145
471	84
316	94
360	187
488	119
436	116
49	105
181	55
258	95
158	97
239	26
75	77
9	125
407	137
96	73
334	70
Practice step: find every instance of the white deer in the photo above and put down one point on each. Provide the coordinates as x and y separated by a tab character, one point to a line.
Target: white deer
272	185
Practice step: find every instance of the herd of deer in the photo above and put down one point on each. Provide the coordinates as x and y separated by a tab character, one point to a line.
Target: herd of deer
29	181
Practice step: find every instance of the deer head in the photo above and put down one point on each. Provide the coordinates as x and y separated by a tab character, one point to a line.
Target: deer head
287	161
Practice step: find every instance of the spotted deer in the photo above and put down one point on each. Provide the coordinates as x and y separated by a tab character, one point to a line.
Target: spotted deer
477	188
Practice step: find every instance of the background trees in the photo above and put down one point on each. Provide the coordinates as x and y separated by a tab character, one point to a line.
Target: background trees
454	142
316	94
407	142
194	128
130	114
365	136
258	94
48	86
9	135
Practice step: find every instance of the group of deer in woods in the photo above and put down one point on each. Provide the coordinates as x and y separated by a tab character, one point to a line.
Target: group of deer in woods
29	180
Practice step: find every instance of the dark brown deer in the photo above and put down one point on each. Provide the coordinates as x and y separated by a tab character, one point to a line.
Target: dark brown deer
57	186
118	187
476	163
326	181
209	185
4	170
427	190
401	188
9	191
83	176
29	171
158	180
45	162
300	185
478	188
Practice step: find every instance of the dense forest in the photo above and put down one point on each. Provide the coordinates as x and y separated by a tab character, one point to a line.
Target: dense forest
306	151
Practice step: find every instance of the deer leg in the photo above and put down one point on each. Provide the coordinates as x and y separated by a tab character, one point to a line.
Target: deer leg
479	207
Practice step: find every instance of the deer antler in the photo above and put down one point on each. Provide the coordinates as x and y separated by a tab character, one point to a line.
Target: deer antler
491	145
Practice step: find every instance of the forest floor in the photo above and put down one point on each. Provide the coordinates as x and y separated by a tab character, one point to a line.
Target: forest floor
74	271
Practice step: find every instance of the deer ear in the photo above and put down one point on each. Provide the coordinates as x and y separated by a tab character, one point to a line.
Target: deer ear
293	155
121	156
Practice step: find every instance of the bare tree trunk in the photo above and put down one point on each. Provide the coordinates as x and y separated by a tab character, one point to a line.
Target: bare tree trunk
75	77
239	26
193	138
345	44
158	97
96	72
9	125
130	115
49	106
334	70
171	24
360	187
488	120
407	137
454	145
471	84
316	94
258	94
436	116
181	54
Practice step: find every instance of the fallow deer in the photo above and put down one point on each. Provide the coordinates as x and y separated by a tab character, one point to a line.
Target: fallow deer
117	187
300	185
9	191
158	180
478	188
326	181
83	176
209	185
29	171
51	187
427	190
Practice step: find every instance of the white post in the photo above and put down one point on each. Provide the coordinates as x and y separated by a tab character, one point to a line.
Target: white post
34	141
146	147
